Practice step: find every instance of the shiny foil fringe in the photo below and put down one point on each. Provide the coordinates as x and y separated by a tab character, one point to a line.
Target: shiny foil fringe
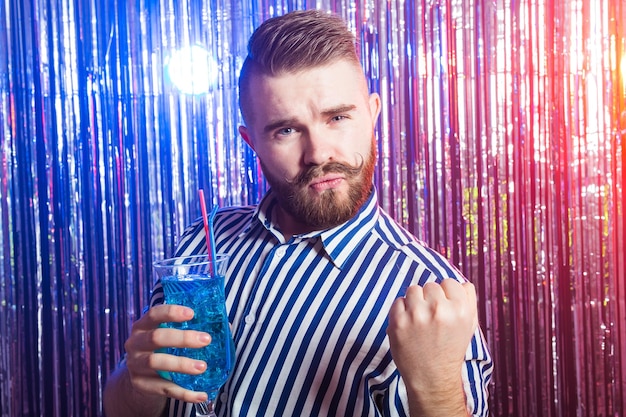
501	145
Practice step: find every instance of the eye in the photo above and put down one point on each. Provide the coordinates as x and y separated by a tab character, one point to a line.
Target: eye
338	118
285	131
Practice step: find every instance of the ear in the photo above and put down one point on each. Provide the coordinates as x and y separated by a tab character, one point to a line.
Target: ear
374	107
243	131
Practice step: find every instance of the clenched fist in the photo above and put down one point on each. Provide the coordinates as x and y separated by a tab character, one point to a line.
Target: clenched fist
429	332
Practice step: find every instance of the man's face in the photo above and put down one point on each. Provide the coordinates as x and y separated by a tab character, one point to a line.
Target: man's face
313	132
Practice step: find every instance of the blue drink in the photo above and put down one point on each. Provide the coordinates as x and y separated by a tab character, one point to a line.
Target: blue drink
189	281
206	297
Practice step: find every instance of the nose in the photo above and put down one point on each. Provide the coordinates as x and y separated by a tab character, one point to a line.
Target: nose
319	148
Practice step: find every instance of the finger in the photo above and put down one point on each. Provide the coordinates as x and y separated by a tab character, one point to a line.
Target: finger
178	392
414	297
165	388
433	292
397	311
173	363
148	366
463	295
164	337
470	293
453	290
415	291
162	314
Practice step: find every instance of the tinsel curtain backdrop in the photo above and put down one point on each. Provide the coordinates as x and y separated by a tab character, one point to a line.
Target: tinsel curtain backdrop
501	142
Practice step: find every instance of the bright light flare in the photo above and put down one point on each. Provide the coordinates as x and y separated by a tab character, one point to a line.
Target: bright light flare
192	70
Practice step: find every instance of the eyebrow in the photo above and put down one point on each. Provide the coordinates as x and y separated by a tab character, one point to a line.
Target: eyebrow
344	108
278	123
293	121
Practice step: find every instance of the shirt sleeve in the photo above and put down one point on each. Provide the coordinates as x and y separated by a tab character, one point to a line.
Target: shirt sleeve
476	375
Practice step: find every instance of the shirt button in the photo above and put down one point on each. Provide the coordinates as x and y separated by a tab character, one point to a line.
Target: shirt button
280	252
224	397
249	319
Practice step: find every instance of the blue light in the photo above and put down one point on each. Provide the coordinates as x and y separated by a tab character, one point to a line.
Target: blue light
192	70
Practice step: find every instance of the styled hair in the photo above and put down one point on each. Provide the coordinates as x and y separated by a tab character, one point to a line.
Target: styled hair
293	42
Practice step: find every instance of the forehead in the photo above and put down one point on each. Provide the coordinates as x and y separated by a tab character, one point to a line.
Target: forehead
312	89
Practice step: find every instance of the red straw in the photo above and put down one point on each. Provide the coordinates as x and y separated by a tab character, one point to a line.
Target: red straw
205	218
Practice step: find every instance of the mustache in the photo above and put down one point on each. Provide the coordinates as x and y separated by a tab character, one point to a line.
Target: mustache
309	174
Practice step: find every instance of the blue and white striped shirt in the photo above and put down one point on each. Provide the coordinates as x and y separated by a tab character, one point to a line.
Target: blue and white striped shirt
309	315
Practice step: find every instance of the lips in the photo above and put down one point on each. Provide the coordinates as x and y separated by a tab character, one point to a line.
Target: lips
326	182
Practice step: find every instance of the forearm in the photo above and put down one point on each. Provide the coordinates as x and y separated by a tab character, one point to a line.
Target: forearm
122	400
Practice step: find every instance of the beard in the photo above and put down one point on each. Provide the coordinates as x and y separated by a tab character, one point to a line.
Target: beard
329	208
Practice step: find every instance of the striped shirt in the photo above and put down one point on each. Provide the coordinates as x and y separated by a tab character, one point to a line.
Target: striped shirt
309	315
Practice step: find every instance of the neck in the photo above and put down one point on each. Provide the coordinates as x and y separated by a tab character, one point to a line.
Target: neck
288	225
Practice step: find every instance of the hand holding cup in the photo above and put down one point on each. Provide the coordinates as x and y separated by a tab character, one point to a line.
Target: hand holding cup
146	344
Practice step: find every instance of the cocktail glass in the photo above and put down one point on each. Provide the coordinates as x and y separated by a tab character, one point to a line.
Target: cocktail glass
198	282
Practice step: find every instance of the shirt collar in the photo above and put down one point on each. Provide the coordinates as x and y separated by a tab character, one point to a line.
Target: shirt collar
339	242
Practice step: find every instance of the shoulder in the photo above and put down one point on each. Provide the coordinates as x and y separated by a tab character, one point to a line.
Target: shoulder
235	217
228	222
429	264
